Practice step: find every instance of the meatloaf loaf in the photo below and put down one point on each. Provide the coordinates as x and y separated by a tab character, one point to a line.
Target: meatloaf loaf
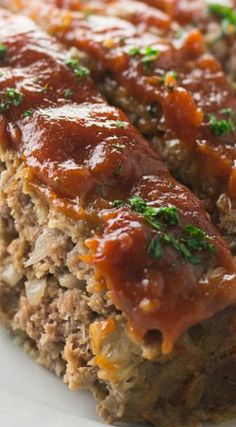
111	273
173	90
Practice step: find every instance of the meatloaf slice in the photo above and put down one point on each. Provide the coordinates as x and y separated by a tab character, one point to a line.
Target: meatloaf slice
172	89
111	273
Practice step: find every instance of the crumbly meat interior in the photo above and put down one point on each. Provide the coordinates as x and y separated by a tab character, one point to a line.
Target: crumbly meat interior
66	321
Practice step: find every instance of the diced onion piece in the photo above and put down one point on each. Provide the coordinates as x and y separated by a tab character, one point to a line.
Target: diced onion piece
69	281
10	275
35	290
44	245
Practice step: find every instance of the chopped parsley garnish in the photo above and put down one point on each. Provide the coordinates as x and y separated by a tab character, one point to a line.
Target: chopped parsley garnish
118	146
27	113
190	246
68	93
79	70
154	216
222	11
11	96
118	203
149	55
221	127
3	51
196	239
121	125
155	248
134	51
227	15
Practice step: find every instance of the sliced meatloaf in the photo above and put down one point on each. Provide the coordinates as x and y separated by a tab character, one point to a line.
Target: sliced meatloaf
172	89
111	273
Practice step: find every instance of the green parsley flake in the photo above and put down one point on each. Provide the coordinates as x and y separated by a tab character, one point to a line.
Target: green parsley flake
155	248
118	146
121	125
198	240
221	127
13	97
227	15
27	113
118	204
79	70
3	51
134	51
149	55
195	240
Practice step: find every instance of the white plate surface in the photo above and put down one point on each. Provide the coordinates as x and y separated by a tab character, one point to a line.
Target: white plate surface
30	396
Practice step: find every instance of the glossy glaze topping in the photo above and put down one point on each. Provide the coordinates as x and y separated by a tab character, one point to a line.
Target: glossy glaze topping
197	103
164	264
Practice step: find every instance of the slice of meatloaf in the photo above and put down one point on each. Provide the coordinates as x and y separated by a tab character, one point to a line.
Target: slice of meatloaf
173	91
111	273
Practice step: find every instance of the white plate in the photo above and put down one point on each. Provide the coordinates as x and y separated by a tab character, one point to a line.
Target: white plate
30	396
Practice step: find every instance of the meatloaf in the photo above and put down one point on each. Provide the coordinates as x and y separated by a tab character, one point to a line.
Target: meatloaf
111	273
173	90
